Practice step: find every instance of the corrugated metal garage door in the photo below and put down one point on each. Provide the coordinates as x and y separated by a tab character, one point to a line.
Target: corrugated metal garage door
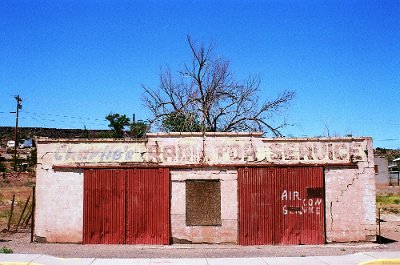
104	207
126	206
281	206
147	206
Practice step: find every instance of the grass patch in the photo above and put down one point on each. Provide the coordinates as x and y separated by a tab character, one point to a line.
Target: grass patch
389	203
6	250
388	199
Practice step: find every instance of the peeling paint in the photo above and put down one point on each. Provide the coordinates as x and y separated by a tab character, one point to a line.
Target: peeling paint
208	150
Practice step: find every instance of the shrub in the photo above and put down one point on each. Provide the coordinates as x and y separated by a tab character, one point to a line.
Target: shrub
6	250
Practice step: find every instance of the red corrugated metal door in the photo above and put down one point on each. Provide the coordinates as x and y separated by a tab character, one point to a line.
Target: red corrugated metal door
300	206
148	206
281	206
104	207
126	206
256	203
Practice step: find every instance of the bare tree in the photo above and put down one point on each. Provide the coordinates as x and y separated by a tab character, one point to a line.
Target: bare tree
206	90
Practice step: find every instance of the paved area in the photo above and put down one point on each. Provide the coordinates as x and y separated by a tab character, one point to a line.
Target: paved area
381	257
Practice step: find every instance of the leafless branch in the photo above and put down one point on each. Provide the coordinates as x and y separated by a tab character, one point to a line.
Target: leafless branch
207	89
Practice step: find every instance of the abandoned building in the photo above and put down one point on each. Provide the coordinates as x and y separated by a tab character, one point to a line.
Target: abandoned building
230	188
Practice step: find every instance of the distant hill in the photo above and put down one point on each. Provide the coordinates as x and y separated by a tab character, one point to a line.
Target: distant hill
389	153
7	133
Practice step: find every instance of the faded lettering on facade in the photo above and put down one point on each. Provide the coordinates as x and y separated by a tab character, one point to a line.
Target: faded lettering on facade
315	151
215	152
103	153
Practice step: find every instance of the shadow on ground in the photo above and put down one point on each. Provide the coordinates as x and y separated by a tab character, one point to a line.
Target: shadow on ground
384	240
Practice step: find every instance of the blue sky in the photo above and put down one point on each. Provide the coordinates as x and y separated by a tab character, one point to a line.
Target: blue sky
73	62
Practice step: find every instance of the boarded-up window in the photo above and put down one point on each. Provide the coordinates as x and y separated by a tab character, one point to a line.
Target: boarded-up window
203	203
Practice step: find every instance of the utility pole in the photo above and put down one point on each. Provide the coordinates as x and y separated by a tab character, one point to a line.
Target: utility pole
19	106
133	125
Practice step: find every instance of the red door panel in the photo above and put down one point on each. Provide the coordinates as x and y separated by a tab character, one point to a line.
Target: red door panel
255	207
148	206
104	206
281	206
126	206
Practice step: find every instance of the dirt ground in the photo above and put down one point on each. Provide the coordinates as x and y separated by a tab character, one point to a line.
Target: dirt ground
390	217
20	242
20	185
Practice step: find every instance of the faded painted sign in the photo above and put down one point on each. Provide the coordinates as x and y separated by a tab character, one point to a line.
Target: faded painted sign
98	153
207	151
315	151
302	205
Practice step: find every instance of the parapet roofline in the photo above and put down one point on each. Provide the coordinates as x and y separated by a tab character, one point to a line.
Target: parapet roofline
321	139
258	135
201	134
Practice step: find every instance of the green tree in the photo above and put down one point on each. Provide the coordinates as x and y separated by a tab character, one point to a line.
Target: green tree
139	129
207	89
117	124
181	122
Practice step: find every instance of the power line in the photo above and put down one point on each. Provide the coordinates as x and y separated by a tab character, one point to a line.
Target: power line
59	118
329	120
48	122
64	116
35	120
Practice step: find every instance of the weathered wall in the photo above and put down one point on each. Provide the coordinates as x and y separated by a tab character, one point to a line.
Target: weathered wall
60	189
350	201
350	204
227	232
59	205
